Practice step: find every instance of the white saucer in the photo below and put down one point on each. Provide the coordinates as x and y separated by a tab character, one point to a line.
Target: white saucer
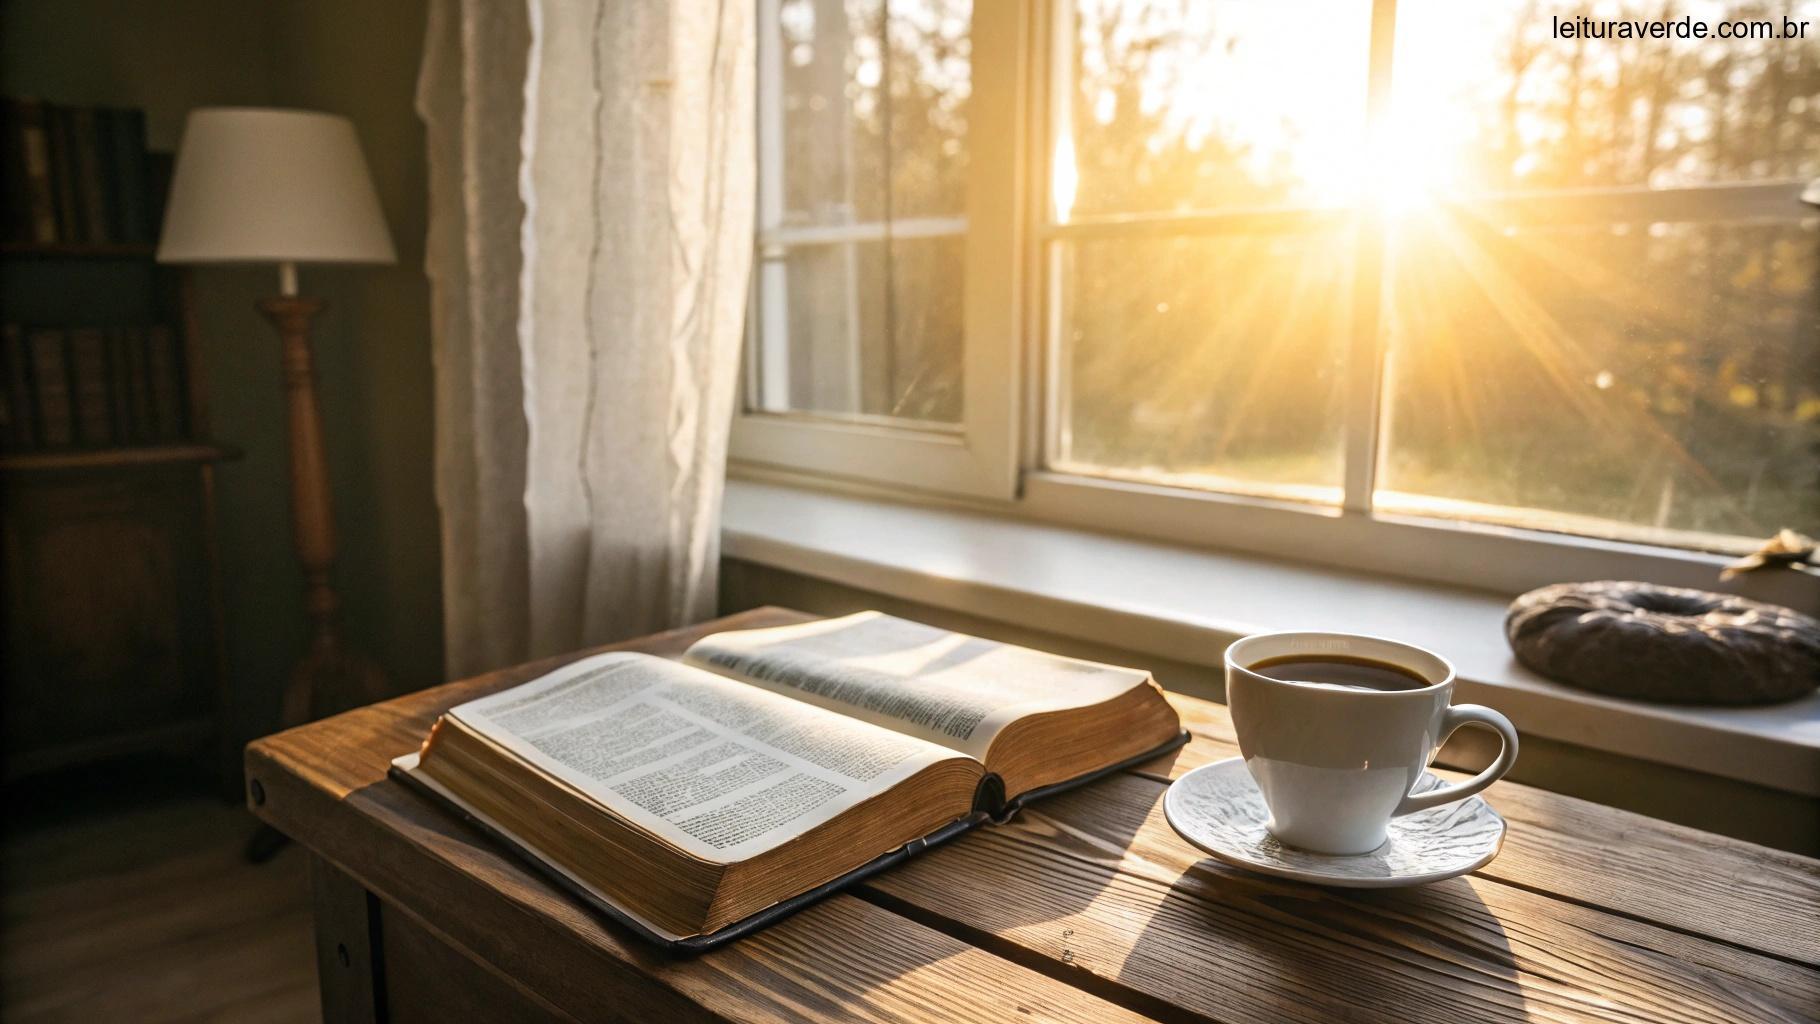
1218	808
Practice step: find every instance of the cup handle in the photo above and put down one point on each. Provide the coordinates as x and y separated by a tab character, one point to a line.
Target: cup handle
1451	719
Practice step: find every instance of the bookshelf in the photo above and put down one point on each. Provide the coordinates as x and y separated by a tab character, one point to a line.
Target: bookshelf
112	606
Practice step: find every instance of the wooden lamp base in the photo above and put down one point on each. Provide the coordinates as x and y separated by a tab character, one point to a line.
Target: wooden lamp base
331	676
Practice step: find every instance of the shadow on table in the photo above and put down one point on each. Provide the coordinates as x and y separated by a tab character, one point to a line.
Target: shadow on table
1253	947
1096	884
1053	861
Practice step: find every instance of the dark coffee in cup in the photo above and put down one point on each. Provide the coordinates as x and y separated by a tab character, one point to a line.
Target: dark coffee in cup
1354	673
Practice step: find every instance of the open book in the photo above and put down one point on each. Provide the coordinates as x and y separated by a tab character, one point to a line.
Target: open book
697	800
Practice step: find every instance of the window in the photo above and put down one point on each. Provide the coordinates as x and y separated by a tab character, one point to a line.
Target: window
1196	342
1636	349
886	285
865	210
1411	264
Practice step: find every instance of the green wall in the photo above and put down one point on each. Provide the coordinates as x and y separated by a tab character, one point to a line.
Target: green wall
373	345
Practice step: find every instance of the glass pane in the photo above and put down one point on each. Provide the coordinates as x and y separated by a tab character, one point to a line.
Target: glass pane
1486	98
1659	381
860	277
1616	381
1207	362
839	308
833	144
1213	103
930	68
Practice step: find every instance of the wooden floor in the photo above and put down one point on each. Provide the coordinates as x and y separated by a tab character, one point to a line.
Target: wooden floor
147	913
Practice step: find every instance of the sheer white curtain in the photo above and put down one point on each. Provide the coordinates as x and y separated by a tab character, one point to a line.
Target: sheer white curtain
591	210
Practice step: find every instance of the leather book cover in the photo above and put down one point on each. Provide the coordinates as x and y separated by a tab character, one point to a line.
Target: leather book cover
984	813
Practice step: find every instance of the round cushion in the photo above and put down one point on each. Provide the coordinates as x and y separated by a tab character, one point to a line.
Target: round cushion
1666	644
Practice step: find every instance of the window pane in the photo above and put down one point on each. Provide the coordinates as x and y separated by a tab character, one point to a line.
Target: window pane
1652	375
863	197
833	143
1209	361
1486	98
931	83
831	370
1617	382
1214	103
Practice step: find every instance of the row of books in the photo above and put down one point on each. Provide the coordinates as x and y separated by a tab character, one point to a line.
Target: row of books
76	175
90	387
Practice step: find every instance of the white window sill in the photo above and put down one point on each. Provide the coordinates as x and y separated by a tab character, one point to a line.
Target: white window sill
1187	604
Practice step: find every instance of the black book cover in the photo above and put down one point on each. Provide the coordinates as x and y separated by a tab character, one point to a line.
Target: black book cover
15	187
63	174
50	385
15	390
128	176
138	387
91	182
164	370
119	384
107	166
158	169
89	391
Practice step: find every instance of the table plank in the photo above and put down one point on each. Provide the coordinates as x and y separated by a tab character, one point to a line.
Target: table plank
1096	882
1678	877
325	785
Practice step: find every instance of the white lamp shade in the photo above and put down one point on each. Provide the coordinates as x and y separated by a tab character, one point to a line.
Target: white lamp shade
272	186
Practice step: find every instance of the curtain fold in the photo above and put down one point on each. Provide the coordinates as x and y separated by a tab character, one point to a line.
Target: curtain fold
591	211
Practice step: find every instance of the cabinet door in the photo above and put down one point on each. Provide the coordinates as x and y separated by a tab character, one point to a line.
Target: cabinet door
108	626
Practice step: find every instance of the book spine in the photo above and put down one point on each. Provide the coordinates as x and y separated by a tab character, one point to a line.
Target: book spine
15	189
139	387
63	174
130	176
35	189
89	387
122	365
158	170
165	368
91	183
16	214
107	165
50	372
15	389
119	385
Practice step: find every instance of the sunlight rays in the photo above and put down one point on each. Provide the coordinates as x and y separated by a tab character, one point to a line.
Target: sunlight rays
1554	352
1591	308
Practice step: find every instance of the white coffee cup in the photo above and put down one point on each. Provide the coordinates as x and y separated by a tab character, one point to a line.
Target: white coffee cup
1335	763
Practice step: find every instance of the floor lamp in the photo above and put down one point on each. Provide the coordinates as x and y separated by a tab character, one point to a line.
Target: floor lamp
287	187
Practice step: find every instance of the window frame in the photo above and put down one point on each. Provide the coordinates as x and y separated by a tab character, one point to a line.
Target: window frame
979	455
998	459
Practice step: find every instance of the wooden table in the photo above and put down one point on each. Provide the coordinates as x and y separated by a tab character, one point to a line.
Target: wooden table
1087	908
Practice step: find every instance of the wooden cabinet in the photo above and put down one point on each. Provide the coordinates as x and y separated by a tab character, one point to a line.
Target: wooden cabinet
112	636
112	624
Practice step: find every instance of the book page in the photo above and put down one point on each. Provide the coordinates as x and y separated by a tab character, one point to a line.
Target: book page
717	768
944	687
